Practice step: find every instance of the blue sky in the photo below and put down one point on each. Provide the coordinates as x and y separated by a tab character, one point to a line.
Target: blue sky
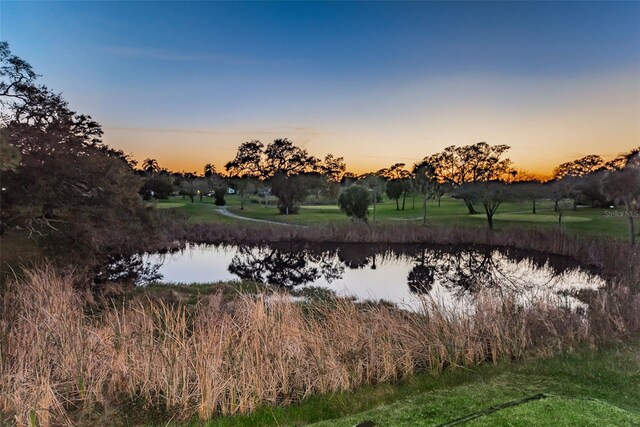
376	82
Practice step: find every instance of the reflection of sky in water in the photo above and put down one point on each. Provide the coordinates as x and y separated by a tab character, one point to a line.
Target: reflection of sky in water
388	281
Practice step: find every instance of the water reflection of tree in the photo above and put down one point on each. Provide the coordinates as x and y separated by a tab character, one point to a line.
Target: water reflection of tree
128	269
284	268
461	271
357	256
422	276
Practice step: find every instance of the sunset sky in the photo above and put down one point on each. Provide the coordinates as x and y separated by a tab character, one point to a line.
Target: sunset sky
377	83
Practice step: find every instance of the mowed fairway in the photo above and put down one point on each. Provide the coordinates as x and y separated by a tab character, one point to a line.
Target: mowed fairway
584	220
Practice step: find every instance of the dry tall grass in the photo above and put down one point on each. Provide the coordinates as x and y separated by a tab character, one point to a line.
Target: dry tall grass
61	362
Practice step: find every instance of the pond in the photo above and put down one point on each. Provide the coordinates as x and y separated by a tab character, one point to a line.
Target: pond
402	274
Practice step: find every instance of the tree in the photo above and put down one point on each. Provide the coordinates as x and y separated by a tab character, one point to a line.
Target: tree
72	192
529	190
394	190
218	185
426	183
376	185
283	157
623	187
632	158
289	169
242	187
220	188
209	170
490	194
333	169
246	167
291	191
401	179
150	166
354	201
579	167
560	191
248	161
158	187
189	185
442	189
471	163
201	187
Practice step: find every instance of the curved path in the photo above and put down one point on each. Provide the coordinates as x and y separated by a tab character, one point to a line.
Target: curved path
223	210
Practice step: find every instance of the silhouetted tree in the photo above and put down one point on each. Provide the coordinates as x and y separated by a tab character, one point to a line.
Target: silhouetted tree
394	190
74	194
289	169
631	157
333	168
471	163
150	166
426	183
400	180
579	167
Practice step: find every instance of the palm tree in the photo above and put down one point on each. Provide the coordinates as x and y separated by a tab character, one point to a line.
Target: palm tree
150	166
209	170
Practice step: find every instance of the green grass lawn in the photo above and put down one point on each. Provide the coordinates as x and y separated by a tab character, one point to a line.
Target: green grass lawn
587	388
584	220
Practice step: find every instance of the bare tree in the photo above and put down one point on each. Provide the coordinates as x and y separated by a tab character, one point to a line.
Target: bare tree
426	183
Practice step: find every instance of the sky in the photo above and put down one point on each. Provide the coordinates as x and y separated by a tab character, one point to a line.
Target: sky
375	82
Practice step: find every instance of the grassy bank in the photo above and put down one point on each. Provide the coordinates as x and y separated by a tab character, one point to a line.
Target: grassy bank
68	358
584	387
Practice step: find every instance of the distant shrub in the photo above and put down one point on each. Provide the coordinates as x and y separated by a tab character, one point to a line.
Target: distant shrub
219	194
156	187
354	201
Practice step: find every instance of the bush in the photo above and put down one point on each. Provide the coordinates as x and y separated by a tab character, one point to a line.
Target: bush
354	201
219	194
158	187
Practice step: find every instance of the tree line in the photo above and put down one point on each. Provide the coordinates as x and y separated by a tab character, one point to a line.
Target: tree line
67	188
478	174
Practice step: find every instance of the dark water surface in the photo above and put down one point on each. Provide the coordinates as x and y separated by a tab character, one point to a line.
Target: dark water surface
401	274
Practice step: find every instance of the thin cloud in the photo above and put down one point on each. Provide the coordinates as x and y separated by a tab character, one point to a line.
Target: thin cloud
294	130
169	55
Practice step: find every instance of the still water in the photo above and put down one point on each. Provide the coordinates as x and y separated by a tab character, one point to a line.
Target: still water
403	274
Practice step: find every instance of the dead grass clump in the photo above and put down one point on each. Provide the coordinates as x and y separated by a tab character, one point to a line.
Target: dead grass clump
59	363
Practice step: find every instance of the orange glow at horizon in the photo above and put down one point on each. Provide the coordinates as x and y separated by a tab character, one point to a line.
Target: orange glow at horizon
545	122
